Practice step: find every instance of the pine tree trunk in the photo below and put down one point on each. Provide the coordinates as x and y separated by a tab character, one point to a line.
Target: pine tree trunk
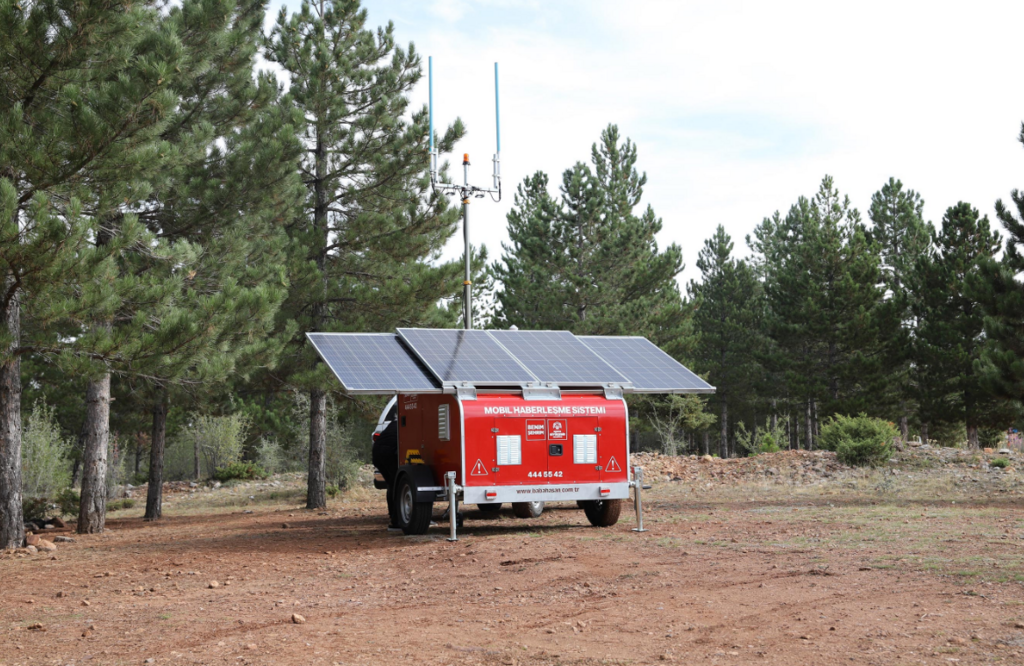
316	493
924	432
904	428
723	445
706	443
815	431
12	526
196	471
793	427
972	437
138	453
775	418
92	512
155	491
809	428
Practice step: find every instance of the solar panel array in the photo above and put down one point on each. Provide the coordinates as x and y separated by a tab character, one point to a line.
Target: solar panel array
456	355
558	356
647	367
373	363
426	360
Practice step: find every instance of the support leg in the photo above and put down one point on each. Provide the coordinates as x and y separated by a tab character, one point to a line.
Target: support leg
638	502
453	506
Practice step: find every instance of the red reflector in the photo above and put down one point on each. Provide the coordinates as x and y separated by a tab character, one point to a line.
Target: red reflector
375	436
490	494
605	491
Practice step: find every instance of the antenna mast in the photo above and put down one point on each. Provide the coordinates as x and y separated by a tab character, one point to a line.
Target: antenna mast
465	191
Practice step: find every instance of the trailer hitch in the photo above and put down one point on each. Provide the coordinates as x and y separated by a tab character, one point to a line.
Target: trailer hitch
637	484
451	488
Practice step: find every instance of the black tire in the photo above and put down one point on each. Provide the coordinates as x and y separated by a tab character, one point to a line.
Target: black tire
602	513
527	509
412	516
489	508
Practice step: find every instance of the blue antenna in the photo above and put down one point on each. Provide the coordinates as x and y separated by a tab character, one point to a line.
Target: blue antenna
465	191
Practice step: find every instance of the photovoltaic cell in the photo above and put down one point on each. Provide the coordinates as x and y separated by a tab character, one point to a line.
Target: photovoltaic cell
373	363
456	355
558	356
645	365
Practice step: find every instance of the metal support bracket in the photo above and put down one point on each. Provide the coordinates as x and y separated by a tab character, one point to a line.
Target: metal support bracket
638	484
466	392
453	504
536	392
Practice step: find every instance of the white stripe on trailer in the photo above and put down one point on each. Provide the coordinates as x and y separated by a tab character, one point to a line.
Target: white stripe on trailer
566	492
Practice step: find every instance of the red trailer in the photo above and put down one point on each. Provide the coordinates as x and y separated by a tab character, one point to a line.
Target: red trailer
493	417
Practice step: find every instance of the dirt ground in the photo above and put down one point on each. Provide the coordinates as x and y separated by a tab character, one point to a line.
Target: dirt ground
921	562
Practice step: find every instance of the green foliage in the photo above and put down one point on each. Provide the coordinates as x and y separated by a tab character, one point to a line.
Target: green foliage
764	440
333	490
35	508
121	504
670	416
1001	463
859	440
246	471
999	290
950	335
45	469
588	262
68	502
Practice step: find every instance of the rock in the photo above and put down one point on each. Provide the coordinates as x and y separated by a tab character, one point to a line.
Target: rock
31	527
48	526
1005	452
213	585
86	603
86	633
284	526
31	550
707	458
63	539
36	627
298	619
32	539
151	660
48	546
1018	625
987	450
61	594
193	484
59	522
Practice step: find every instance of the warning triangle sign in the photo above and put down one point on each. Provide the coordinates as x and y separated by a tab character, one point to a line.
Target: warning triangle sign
613	465
479	469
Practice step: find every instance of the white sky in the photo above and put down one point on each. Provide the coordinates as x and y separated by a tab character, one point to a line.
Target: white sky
737	108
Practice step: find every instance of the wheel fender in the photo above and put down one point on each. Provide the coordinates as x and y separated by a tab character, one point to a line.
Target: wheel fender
422	476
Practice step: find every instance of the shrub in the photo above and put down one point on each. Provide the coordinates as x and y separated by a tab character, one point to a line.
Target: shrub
45	471
216	440
859	440
1001	463
766	439
34	509
118	505
333	490
240	470
68	501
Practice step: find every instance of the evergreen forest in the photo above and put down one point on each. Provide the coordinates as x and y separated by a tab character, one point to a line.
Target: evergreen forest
176	215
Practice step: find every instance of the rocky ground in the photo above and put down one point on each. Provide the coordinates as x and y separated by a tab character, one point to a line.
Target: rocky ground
787	558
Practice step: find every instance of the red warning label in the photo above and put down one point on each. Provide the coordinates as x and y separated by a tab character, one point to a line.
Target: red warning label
479	469
613	465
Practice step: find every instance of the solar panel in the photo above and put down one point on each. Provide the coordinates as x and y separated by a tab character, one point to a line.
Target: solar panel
373	363
649	369
558	356
456	355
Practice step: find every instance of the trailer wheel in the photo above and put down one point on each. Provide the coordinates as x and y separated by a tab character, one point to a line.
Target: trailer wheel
489	508
602	513
413	517
527	509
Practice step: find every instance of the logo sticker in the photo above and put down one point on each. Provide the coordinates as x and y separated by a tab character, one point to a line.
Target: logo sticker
479	469
557	429
613	465
535	429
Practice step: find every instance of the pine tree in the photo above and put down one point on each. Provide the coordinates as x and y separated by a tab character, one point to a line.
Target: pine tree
83	105
821	275
728	314
587	262
903	237
369	221
950	335
1001	294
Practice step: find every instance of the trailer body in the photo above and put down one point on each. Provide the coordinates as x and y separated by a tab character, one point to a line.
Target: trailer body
504	448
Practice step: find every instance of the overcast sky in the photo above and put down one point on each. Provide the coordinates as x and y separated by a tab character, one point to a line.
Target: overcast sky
737	108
